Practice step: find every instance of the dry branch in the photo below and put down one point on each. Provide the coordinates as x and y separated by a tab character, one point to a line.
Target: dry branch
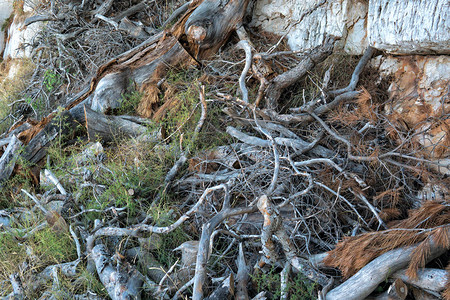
360	285
427	279
356	73
9	158
121	283
204	248
315	56
273	225
242	276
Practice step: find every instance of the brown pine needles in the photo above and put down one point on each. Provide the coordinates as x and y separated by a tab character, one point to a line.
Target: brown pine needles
430	220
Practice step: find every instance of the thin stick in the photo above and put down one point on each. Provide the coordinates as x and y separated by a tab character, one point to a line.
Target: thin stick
355	76
244	45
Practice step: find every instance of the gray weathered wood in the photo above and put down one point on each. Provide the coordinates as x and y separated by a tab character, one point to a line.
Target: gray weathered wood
360	285
119	282
9	158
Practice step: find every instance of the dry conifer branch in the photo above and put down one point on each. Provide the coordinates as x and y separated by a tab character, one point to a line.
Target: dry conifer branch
367	279
179	11
273	225
207	230
273	91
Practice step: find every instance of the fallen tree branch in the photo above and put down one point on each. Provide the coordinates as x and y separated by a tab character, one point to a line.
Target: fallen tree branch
207	230
244	45
360	285
355	76
9	158
241	276
427	279
315	56
273	225
120	284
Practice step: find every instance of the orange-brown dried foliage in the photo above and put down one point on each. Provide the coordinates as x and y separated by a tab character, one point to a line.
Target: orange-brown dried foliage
203	163
353	253
446	292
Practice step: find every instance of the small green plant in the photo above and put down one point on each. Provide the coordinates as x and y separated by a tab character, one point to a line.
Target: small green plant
51	80
298	287
38	104
7	22
54	247
129	102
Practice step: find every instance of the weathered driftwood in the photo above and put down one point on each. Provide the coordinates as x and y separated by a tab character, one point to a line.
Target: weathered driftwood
123	282
9	158
360	285
427	279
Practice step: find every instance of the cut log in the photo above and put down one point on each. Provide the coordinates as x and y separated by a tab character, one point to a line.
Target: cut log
397	291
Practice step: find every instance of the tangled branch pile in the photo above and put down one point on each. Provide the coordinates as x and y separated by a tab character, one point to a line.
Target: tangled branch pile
266	169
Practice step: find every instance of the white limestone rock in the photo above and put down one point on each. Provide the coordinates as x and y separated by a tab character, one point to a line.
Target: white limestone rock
18	37
410	26
398	27
6	8
306	23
